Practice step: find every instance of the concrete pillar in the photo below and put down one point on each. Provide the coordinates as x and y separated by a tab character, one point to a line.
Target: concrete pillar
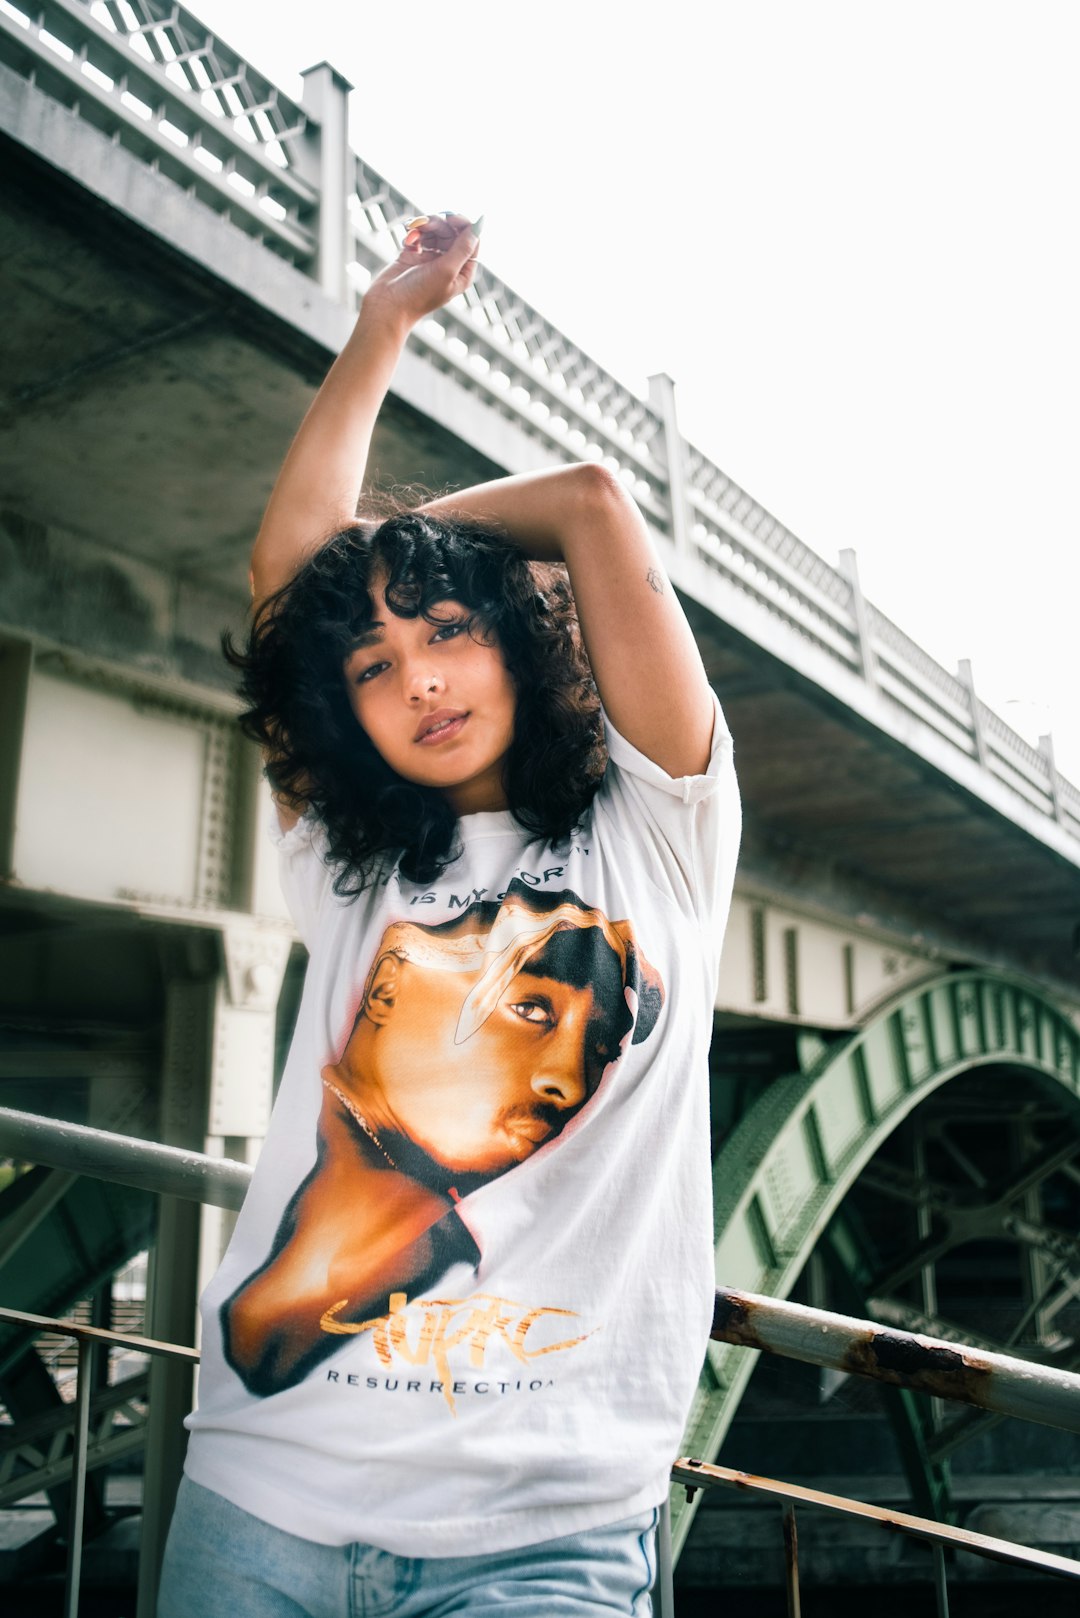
327	164
849	567
1046	748
967	678
662	399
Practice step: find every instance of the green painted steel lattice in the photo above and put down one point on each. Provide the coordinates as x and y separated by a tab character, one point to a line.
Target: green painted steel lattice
783	1172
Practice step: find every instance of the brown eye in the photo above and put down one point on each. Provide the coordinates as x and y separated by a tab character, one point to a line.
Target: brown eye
537	1012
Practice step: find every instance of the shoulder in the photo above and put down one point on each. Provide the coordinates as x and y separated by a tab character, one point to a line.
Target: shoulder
687	827
310	877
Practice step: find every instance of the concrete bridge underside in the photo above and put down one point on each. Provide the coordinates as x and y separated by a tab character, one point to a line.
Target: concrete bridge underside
148	400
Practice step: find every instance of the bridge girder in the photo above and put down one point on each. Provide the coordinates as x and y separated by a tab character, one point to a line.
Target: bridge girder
783	1173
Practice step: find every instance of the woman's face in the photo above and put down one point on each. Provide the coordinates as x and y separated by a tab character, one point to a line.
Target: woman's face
437	704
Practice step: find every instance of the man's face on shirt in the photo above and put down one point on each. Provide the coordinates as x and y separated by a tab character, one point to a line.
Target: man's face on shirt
481	1106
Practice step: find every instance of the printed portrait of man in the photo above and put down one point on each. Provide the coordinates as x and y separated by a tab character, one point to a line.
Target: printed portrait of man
476	1042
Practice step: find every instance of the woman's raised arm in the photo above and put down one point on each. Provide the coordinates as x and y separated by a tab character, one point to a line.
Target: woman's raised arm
644	658
320	481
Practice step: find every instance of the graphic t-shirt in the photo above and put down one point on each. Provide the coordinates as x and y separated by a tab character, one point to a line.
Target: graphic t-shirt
468	1294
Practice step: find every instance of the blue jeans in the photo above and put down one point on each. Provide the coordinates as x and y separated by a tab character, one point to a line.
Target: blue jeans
220	1562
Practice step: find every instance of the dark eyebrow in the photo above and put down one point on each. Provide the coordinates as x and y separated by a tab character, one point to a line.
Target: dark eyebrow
367	637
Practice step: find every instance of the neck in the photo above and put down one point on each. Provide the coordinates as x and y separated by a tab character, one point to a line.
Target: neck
358	1118
479	796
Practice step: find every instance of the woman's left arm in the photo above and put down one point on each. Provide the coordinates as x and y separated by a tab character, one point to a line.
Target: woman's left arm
646	664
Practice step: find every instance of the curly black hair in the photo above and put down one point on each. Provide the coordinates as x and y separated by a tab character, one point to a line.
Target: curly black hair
298	710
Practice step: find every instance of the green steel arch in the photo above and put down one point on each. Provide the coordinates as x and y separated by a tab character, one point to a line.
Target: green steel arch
784	1170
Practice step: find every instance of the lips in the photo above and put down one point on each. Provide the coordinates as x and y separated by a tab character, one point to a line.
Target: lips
531	1129
441	726
524	1137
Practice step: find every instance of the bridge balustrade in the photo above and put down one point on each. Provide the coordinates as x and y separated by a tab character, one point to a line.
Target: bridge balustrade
156	81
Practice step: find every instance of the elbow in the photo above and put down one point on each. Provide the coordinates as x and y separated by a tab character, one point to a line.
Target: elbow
597	488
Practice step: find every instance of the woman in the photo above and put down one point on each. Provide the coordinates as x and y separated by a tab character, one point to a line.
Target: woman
449	1353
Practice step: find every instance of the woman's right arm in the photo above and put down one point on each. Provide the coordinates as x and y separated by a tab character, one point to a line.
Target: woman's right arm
321	478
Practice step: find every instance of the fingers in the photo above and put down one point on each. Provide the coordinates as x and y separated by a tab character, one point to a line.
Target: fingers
437	262
446	235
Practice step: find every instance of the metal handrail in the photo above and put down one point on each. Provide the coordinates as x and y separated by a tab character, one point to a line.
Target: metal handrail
901	1359
696	1475
90	1340
998	1382
147	1165
692	1474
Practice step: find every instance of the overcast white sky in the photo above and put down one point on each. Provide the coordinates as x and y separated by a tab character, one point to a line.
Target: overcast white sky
847	229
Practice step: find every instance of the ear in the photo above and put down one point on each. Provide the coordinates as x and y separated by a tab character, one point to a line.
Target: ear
383	990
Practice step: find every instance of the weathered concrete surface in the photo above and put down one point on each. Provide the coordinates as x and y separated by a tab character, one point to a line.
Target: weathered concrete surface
156	364
146	407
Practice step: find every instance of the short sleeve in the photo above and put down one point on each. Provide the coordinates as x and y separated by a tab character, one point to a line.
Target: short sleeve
690	825
303	869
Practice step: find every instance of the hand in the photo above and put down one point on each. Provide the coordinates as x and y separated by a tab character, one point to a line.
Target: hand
437	262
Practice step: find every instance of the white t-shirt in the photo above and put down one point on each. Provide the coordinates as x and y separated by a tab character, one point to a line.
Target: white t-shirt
468	1295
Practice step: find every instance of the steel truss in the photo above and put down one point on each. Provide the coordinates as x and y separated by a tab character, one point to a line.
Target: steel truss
783	1173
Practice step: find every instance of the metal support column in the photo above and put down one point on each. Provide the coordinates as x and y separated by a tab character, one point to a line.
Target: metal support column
791	1561
924	1227
1037	1270
192	971
83	1392
941	1583
665	1577
16	662
171	1310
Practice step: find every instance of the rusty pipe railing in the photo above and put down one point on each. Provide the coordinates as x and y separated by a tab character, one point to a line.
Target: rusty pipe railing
692	1474
1009	1387
902	1359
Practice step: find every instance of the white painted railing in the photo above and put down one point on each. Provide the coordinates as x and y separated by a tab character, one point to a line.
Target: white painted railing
153	78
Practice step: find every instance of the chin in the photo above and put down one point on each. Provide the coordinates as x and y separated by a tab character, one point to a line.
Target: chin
481	1167
443	1170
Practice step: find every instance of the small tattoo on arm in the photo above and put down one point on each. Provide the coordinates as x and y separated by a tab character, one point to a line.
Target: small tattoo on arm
654	580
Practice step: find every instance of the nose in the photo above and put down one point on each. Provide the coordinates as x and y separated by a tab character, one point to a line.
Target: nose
423	683
559	1078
